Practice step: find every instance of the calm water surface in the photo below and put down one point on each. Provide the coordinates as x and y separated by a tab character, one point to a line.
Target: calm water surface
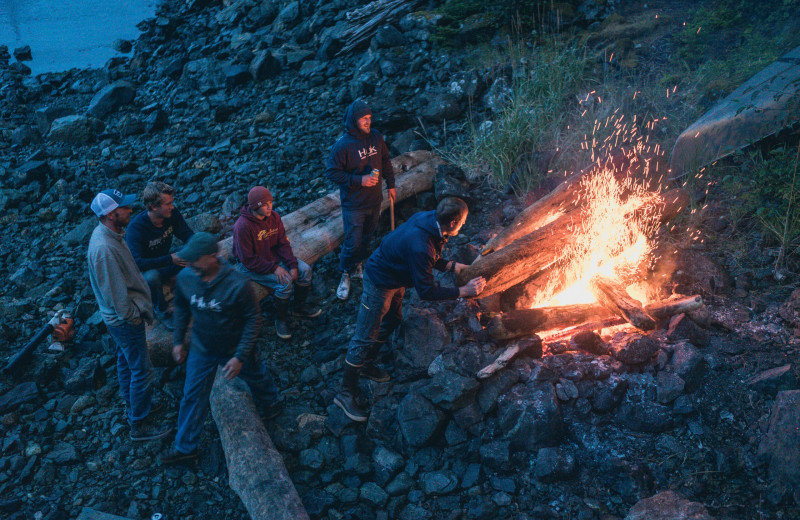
65	34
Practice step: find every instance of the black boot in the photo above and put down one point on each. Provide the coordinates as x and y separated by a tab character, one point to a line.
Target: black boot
281	315
301	308
347	398
372	371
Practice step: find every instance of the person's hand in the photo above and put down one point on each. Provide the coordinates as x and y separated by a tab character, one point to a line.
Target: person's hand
232	369
392	194
283	275
179	353
294	274
369	180
473	288
178	260
458	268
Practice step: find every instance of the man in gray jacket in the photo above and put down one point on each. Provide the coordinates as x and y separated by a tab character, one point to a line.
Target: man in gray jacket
124	300
227	319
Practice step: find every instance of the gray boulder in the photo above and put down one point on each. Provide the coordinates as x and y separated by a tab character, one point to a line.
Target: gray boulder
780	448
75	129
425	337
633	349
668	505
418	419
531	417
110	98
388	36
439	482
19	395
688	363
264	66
450	391
554	464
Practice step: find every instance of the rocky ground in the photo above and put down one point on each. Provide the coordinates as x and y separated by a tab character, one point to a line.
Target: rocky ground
216	97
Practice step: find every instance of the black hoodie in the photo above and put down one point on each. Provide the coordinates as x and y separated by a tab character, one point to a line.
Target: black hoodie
356	154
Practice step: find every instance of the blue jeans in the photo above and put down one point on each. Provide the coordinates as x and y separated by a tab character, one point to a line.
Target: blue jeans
359	226
155	279
200	372
282	291
379	314
134	369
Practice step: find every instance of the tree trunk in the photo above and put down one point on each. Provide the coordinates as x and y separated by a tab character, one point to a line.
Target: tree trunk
614	297
255	468
522	322
550	245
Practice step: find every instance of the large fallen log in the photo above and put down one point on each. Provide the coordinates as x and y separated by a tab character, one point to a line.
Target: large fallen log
614	297
524	322
552	245
255	468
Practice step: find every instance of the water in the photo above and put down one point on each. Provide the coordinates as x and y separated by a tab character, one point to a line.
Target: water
65	34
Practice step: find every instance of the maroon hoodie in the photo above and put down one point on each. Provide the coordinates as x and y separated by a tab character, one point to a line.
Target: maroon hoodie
261	245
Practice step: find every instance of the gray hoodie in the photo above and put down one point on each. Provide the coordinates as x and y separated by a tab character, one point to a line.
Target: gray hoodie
119	287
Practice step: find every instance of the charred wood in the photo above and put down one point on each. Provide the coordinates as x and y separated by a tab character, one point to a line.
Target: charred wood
613	296
524	322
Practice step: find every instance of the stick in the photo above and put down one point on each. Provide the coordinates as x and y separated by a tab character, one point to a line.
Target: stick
669	308
391	211
614	297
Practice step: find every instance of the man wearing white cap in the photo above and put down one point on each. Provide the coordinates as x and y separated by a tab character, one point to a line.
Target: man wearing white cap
124	300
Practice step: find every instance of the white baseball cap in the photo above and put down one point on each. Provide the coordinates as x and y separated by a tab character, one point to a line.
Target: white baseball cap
108	200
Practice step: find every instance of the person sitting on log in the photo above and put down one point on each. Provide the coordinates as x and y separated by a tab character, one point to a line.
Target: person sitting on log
149	238
226	321
265	256
356	163
405	258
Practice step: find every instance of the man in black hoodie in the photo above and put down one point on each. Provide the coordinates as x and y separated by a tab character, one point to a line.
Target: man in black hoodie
406	258
227	320
357	162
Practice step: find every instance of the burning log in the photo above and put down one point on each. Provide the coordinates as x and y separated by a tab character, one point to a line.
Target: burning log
613	296
669	308
522	322
551	245
592	325
255	468
526	345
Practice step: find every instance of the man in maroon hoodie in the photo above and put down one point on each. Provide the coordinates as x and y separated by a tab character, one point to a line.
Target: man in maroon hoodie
266	257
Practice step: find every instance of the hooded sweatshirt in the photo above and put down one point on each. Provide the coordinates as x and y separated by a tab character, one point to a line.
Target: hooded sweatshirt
150	245
356	154
261	245
407	256
226	314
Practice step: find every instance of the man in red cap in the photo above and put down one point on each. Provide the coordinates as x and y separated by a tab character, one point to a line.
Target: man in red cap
266	257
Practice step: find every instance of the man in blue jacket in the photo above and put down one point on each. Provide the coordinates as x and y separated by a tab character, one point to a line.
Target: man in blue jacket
149	238
405	258
357	162
227	320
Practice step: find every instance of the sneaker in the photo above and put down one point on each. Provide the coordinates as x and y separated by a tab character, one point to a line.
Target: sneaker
343	291
375	373
350	407
165	317
282	329
306	311
271	411
173	456
142	431
358	272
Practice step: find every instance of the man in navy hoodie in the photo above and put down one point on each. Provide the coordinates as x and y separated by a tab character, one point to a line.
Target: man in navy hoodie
149	238
266	257
406	258
352	164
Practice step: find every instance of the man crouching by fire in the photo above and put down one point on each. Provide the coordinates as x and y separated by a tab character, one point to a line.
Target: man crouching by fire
405	258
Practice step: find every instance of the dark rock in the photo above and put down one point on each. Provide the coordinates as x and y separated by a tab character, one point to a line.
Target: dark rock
32	171
87	513
23	53
401	485
633	349
372	494
554	464
682	328
130	125
445	185
419	421
387	464
25	135
495	454
530	416
290	15
264	66
494	387
648	417
87	376
688	363
45	117
63	453
589	341
670	387
780	448
450	391
442	107
74	129
123	46
81	233
388	36
110	98
668	505
19	395
317	502
156	121
773	380
439	482
425	335
236	74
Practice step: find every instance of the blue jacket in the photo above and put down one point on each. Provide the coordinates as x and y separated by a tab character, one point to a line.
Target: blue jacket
407	256
150	245
356	154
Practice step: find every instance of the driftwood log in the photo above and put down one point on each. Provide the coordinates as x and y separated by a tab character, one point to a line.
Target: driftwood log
550	245
614	297
524	322
531	345
669	308
255	468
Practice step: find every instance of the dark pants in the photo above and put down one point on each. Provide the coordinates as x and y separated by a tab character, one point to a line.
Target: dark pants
359	226
156	278
379	314
200	372
134	369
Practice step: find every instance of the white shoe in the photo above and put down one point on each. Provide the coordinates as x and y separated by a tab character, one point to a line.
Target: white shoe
358	272
343	291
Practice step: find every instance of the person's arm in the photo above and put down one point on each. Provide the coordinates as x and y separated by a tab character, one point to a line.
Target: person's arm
182	229
441	264
135	237
249	309
284	249
182	312
111	282
421	264
335	168
245	240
